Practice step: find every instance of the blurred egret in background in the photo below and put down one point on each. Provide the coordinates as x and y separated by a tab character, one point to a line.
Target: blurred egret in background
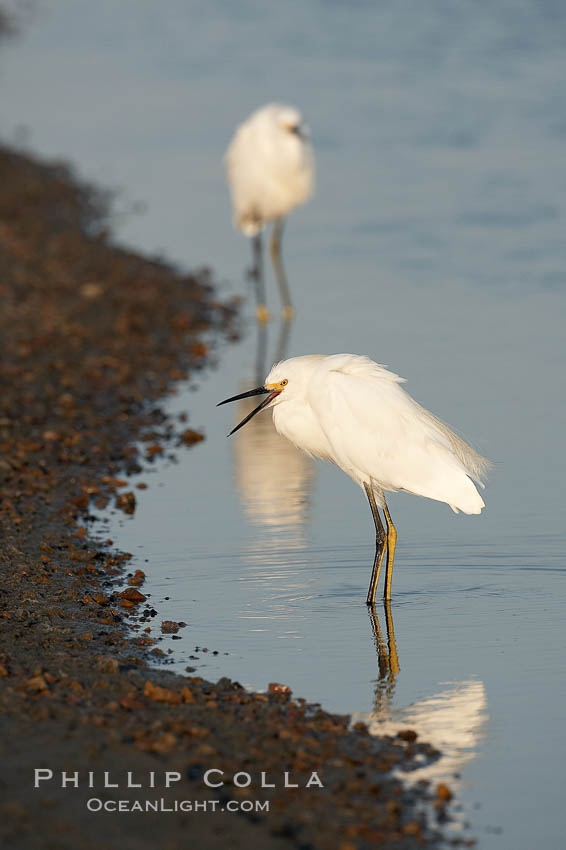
352	411
270	169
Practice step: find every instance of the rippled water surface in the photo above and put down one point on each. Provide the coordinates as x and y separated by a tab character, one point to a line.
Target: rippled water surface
435	244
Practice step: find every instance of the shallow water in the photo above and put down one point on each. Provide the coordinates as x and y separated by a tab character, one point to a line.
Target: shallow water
435	244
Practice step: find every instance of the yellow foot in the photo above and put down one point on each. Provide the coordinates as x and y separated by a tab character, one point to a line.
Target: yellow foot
262	313
288	312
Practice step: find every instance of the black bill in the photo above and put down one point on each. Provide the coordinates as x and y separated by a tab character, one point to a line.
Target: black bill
257	391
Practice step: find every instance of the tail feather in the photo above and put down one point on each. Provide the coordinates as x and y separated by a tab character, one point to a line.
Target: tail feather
470	502
475	465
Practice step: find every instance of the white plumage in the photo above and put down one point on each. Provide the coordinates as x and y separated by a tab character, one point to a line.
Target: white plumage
354	412
350	410
270	170
270	166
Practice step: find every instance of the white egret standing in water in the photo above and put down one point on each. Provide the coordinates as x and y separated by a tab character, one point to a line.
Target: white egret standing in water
354	412
270	170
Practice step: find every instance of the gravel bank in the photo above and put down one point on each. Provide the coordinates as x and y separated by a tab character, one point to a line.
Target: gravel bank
91	338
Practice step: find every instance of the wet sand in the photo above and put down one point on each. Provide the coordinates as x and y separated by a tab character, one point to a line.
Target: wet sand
92	337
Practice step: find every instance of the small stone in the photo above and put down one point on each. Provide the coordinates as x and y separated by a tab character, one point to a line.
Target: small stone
189	437
91	290
154	449
37	684
100	598
408	735
393	808
159	694
413	827
130	703
137	579
126	502
107	665
164	744
276	688
443	792
187	694
133	595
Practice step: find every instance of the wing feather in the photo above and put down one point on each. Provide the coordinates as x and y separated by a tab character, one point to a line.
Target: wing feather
376	428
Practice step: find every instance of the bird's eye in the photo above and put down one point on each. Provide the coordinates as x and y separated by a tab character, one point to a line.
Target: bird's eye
284	382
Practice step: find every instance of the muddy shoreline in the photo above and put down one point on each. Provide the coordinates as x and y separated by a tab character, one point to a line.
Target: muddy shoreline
92	337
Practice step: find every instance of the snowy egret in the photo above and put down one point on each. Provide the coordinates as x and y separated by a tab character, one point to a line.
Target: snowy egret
270	170
347	409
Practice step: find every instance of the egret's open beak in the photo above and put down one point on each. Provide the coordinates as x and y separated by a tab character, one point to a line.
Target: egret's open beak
258	391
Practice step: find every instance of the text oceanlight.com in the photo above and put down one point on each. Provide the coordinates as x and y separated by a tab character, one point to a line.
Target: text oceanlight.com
95	804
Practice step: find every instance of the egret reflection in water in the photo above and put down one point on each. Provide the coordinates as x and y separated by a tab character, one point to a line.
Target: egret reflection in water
273	479
452	720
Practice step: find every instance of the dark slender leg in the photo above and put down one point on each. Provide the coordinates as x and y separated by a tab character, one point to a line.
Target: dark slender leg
257	275
275	248
261	352
391	543
380	541
283	341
